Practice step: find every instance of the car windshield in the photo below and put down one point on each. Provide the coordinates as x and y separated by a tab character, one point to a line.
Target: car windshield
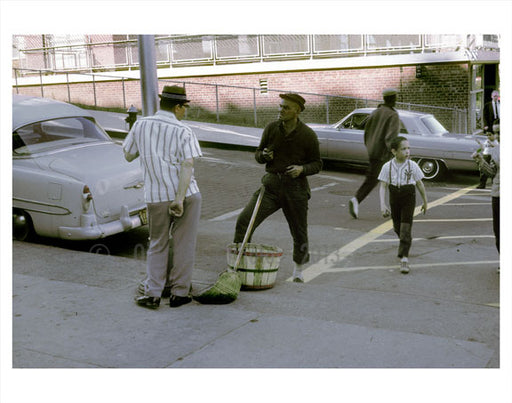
434	127
355	121
54	134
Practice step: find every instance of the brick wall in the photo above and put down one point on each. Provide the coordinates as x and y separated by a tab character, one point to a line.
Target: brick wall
444	85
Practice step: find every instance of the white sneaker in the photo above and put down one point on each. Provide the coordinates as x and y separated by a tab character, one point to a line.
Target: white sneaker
353	207
404	267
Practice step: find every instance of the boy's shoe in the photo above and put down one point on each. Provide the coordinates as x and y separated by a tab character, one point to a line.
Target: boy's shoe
148	302
404	267
353	207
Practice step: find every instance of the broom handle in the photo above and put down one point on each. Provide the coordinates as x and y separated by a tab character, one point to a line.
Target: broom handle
249	228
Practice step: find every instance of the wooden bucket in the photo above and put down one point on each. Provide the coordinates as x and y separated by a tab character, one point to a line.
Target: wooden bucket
258	265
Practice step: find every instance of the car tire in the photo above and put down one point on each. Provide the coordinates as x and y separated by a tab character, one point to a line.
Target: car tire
432	169
22	227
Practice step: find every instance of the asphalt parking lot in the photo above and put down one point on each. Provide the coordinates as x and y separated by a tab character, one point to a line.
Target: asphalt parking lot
74	309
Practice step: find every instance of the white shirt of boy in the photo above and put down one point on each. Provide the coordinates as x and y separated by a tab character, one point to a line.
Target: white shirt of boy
488	146
400	174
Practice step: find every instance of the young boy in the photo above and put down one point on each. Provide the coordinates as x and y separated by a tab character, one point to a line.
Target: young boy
401	176
487	147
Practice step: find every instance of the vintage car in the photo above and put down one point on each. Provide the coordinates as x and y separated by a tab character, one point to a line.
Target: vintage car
432	146
70	179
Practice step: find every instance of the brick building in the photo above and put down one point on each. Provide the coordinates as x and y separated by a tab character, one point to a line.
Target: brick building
448	75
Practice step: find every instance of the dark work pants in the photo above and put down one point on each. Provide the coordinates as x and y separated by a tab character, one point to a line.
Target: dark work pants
483	176
371	180
290	195
402	201
496	220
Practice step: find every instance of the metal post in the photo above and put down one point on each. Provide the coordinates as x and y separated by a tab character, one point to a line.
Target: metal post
327	108
41	81
67	84
255	110
94	89
124	94
148	75
217	100
16	79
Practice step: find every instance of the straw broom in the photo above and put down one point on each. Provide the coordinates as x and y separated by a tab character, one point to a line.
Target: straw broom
228	284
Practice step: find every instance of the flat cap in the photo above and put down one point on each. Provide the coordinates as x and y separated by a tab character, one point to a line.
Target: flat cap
174	92
294	98
389	91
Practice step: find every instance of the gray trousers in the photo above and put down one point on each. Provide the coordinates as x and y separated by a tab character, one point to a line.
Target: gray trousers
183	230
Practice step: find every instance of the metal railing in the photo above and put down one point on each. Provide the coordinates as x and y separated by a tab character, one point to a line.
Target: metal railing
111	52
230	104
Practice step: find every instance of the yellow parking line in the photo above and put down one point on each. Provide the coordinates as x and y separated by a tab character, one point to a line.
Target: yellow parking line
325	264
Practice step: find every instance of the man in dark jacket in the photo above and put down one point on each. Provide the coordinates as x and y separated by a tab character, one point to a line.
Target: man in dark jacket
291	152
492	112
381	128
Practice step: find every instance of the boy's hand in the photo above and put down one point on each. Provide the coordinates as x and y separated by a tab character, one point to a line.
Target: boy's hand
385	211
424	208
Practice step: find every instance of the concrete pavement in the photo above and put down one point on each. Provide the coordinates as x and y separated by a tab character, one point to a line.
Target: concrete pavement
74	310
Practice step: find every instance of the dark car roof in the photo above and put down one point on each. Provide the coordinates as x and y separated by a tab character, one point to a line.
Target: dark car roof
27	110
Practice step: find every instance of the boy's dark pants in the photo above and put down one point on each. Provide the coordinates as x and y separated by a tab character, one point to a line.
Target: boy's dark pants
496	220
402	201
483	176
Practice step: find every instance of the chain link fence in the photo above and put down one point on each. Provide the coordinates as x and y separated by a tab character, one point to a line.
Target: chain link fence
235	105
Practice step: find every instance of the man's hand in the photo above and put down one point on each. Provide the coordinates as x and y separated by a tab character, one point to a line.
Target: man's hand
294	170
385	211
267	154
424	208
176	208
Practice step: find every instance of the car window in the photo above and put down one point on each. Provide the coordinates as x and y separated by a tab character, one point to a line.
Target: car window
403	130
435	128
56	133
356	121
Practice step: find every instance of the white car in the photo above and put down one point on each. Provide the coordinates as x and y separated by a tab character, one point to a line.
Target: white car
70	179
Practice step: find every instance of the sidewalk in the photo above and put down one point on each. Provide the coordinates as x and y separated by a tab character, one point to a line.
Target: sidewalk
74	310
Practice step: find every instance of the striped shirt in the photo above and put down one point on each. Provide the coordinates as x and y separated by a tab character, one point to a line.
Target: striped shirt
406	173
163	143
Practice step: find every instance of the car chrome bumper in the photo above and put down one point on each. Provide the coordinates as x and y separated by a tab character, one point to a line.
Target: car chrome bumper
90	229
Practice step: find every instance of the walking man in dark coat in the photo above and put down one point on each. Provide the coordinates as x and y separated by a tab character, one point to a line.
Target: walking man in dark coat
381	128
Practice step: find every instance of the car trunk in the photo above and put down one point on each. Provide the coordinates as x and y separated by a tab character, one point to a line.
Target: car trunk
113	181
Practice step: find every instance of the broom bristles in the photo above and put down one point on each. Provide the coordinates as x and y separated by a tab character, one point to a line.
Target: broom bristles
223	291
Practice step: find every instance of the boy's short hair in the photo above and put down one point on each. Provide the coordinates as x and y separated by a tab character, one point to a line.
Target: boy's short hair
395	143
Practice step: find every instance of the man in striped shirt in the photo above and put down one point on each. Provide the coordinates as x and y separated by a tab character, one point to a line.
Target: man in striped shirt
167	148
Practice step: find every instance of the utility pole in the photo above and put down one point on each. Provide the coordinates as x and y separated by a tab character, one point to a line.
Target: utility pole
148	75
